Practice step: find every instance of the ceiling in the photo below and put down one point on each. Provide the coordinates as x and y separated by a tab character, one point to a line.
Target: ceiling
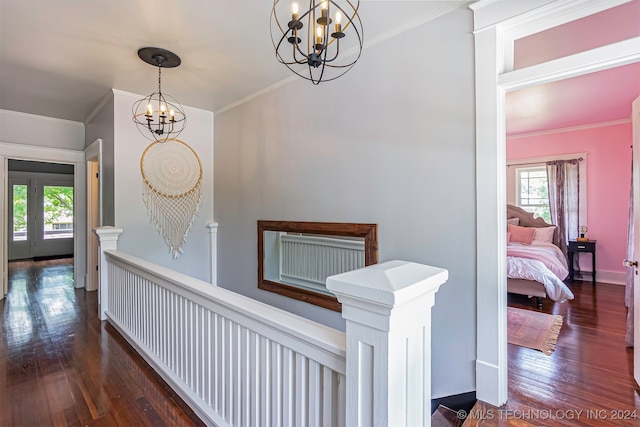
60	58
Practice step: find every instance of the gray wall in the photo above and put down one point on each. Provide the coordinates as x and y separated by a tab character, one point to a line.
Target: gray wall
392	142
140	237
21	128
122	148
100	126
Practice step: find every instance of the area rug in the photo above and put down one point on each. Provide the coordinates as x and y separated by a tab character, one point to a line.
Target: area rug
532	329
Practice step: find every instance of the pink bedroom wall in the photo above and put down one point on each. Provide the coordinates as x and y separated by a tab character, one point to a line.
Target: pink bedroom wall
608	151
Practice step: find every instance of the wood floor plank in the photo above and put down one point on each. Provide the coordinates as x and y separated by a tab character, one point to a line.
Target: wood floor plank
586	381
61	366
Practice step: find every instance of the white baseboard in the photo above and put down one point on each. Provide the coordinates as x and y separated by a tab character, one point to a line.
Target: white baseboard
611	277
488	387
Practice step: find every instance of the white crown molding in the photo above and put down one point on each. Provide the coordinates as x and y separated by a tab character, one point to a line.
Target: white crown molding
569	129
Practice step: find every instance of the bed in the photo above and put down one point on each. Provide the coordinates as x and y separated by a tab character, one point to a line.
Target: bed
536	267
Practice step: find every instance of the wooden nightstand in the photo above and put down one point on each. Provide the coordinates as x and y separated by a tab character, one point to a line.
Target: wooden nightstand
588	246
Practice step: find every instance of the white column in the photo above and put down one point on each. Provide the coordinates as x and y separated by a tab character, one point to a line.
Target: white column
388	312
213	255
108	240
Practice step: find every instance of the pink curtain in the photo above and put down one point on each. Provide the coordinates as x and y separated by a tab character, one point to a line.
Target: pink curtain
563	177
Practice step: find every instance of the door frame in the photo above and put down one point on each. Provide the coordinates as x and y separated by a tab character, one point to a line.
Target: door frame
495	30
51	155
93	158
635	123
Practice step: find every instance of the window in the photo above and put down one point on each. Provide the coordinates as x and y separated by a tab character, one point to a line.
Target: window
533	191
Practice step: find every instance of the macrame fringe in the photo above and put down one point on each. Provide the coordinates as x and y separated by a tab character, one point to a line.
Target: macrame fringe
171	174
172	217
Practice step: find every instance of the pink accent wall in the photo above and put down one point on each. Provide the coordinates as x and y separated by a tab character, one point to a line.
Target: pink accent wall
608	151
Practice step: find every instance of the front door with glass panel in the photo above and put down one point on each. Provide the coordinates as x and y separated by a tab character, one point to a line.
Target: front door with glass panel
40	216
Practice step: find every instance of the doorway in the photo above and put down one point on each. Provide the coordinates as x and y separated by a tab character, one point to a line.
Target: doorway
40	210
494	77
46	155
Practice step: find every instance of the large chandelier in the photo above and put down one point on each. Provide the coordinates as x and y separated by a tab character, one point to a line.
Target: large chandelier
307	42
159	116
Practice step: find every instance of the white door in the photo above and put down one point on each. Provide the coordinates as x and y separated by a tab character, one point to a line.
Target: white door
635	112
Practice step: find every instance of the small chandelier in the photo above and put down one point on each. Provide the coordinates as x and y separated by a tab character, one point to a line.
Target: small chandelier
159	116
309	45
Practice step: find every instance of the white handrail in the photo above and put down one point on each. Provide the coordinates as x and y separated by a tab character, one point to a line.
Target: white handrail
234	360
300	334
239	362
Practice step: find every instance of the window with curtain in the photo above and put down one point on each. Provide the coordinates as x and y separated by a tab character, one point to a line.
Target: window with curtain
516	181
564	198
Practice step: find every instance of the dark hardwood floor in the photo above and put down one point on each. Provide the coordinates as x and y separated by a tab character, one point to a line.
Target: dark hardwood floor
587	381
61	366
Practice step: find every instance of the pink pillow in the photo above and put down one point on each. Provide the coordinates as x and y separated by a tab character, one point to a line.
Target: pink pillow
544	234
521	234
508	237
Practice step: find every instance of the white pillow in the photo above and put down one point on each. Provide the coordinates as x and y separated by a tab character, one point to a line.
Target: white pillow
543	234
513	221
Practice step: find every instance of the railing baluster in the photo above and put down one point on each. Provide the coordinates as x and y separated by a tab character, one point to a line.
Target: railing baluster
239	362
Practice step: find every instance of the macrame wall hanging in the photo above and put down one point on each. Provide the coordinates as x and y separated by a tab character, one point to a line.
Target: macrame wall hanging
171	173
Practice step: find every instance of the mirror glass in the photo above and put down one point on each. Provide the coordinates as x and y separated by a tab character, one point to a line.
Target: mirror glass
295	258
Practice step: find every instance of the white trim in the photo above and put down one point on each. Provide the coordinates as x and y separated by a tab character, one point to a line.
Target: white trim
569	129
492	45
544	159
4	244
598	59
93	153
56	155
609	277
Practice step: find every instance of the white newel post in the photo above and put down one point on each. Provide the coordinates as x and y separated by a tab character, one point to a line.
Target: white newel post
213	255
388	312
108	240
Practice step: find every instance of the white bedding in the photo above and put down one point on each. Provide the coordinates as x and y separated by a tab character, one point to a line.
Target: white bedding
542	262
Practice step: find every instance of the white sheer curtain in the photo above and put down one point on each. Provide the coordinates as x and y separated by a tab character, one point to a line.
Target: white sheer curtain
563	177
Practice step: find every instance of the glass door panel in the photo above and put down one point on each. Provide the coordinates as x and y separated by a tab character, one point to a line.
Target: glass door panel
20	226
20	213
57	205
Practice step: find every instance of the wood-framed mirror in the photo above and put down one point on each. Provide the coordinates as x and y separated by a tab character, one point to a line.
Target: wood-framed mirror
296	257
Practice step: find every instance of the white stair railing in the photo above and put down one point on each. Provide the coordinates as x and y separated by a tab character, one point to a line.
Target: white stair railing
238	362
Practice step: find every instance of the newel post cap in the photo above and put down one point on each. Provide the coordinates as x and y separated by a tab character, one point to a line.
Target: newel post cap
371	293
107	231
